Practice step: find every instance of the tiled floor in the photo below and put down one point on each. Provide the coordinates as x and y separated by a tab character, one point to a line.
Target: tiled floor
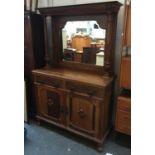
49	140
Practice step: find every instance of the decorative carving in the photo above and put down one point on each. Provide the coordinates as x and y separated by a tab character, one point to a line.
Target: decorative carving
50	102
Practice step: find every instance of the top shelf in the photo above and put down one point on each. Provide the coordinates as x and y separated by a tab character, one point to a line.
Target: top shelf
75	75
104	7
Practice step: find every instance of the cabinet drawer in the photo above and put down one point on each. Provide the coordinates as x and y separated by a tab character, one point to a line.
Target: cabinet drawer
86	89
123	122
54	82
124	104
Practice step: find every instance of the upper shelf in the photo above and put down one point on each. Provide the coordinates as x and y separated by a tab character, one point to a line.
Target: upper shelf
88	9
75	75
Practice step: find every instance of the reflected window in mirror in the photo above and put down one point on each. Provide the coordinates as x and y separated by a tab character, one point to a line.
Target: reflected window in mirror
83	42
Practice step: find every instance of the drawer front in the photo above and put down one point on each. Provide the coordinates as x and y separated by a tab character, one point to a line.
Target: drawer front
124	104
123	122
86	89
54	82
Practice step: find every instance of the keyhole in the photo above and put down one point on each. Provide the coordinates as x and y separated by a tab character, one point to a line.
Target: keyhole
50	102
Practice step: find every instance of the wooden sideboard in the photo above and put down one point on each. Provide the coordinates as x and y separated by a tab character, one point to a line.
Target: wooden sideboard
78	42
76	101
77	96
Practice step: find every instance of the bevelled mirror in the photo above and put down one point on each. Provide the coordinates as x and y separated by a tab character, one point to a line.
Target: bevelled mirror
83	42
82	37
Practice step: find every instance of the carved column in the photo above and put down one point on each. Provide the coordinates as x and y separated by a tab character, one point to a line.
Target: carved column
47	59
110	44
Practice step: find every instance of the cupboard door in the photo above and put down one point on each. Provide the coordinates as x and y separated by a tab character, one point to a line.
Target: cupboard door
83	114
50	103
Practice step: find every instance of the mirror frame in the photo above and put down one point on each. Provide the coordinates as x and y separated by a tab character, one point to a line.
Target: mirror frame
106	16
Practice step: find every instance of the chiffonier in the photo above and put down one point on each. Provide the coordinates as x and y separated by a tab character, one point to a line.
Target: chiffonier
72	95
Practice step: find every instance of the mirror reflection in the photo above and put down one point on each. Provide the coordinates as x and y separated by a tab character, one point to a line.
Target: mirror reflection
83	42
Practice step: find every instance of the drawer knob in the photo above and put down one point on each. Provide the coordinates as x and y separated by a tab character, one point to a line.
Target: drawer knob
92	93
72	89
81	113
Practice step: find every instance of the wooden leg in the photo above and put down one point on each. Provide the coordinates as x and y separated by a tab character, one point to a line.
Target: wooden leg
99	147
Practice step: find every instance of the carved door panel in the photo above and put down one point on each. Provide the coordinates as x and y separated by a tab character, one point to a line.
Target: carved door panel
83	114
51	102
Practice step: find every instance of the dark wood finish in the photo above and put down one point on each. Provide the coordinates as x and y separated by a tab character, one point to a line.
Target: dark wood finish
50	103
47	59
123	115
125	77
68	54
89	9
83	101
85	88
33	52
82	92
104	13
83	113
89	55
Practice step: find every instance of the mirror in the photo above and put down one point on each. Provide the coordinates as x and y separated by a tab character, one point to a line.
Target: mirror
83	42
